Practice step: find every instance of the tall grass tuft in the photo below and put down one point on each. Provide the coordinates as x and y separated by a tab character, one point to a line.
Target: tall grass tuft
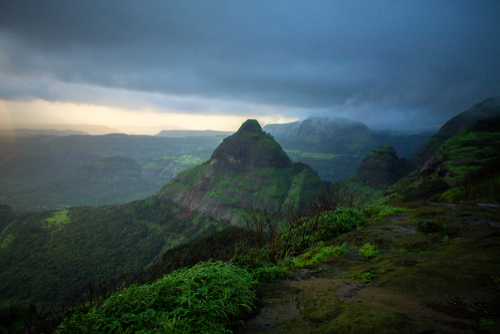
206	298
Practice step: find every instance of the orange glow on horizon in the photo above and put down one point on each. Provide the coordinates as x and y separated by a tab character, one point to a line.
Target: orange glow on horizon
30	114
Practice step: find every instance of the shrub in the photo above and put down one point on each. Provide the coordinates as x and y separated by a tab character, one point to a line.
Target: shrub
430	227
270	273
367	277
368	250
378	211
205	298
327	225
319	254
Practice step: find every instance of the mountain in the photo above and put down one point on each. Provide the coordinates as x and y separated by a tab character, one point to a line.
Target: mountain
249	168
465	167
33	132
86	128
486	109
324	135
192	133
381	168
335	148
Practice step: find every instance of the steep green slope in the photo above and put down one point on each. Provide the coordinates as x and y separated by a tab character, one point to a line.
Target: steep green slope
46	255
486	109
456	159
7	215
248	169
381	168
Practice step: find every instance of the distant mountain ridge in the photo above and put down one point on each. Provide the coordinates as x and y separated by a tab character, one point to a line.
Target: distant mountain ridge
248	168
192	133
33	132
324	135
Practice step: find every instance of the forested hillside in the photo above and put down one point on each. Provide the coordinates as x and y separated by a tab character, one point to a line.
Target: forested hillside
46	255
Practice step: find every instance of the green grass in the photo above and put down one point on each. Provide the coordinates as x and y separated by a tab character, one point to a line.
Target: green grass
308	231
318	253
206	298
380	211
368	250
57	219
367	277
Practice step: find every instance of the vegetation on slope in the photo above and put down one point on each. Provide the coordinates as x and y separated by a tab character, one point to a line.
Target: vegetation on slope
206	298
484	110
386	278
329	167
48	254
380	168
459	158
248	169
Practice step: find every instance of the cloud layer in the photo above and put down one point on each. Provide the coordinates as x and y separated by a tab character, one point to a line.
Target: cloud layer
398	61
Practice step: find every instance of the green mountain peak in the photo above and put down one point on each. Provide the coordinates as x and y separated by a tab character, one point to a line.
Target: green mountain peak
248	168
248	149
250	125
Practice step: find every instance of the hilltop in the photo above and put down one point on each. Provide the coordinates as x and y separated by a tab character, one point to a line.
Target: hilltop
381	168
248	168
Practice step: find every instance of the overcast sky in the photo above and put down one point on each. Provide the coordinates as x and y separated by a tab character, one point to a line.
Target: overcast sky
211	64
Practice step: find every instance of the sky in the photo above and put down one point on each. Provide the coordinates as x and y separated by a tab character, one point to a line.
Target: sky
149	65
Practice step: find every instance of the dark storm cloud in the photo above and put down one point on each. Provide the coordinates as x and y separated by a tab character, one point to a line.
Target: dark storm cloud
316	56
